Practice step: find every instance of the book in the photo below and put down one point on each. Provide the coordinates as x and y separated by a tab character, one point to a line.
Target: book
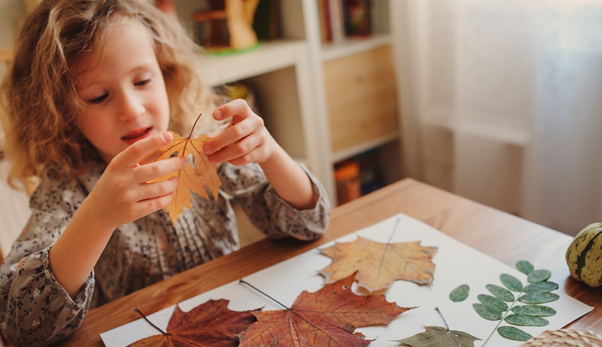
266	20
324	16
356	18
336	20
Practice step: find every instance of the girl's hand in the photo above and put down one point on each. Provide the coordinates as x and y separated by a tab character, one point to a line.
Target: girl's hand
122	195
244	140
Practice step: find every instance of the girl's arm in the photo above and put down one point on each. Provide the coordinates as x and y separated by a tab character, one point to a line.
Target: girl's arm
289	180
245	139
120	196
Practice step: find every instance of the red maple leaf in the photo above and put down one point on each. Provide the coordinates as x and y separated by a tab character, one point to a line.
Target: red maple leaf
327	317
211	324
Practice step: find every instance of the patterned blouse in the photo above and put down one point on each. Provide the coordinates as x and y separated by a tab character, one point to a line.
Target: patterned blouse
35	309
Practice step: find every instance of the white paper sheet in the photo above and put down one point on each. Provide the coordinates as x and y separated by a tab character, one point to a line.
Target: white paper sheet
456	264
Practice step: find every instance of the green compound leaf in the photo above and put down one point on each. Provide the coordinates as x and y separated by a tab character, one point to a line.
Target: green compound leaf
541	287
500	293
486	312
539	276
538	298
524	267
493	303
511	282
460	293
513	333
530	321
439	337
534	310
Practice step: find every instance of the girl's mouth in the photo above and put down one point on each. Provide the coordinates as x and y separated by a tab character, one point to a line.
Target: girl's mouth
137	135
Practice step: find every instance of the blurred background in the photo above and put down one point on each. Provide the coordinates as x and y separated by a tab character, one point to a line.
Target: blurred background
499	101
504	104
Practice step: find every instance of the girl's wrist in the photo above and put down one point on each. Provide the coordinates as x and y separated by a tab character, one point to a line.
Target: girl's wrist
91	213
274	159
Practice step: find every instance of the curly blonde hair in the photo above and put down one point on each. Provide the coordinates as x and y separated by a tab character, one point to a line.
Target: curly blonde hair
38	95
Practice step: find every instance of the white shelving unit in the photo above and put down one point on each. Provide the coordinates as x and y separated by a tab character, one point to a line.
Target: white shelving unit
351	46
268	57
289	82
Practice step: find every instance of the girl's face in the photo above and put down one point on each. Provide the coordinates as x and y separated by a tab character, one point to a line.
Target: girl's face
123	90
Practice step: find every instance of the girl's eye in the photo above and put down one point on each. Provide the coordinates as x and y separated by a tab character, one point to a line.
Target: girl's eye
141	83
99	99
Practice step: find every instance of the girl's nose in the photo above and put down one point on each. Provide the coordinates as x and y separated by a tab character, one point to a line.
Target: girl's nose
131	108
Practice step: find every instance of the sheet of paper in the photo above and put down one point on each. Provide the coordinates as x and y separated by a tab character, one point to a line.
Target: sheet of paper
456	264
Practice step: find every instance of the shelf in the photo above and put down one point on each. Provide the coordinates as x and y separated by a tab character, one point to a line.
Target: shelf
362	147
268	57
350	46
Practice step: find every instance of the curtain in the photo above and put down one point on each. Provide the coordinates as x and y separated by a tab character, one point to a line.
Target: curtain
502	103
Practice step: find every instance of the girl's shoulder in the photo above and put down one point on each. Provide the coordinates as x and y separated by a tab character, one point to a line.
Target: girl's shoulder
88	171
57	187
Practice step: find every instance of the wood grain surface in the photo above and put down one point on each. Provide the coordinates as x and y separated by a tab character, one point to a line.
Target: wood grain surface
498	234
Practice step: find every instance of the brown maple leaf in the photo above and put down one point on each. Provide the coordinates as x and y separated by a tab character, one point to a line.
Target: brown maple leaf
379	264
198	174
327	317
211	324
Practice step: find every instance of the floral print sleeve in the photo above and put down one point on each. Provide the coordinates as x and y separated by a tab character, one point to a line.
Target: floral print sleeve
268	211
35	309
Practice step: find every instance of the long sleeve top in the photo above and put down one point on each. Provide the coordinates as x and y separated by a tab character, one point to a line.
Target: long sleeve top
35	309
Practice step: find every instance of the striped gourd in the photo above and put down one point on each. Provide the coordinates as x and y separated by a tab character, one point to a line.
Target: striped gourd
584	255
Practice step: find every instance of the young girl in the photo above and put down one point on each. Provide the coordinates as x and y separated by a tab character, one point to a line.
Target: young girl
92	82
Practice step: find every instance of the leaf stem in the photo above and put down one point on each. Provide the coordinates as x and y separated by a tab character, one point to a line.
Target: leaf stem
393	233
192	129
505	314
149	322
252	286
447	326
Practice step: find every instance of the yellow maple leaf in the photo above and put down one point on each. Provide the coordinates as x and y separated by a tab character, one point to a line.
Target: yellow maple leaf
198	174
380	264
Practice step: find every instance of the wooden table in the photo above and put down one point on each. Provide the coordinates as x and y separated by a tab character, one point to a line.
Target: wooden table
498	234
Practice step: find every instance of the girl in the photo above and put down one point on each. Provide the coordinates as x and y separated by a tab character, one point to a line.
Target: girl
91	82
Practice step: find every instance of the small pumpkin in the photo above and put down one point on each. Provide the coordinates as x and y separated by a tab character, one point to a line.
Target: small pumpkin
584	255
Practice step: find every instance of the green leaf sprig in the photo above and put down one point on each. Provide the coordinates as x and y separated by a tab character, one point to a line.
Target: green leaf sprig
525	308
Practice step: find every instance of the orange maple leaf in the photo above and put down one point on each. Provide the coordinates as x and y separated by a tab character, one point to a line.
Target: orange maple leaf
327	317
198	174
379	264
211	324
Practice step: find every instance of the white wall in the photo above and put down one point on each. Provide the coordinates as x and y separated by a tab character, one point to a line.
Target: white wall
12	13
14	211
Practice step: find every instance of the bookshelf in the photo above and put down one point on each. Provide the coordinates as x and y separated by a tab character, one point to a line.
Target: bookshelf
293	83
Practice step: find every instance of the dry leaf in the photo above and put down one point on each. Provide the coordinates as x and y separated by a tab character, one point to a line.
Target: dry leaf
211	324
199	172
440	337
380	264
327	317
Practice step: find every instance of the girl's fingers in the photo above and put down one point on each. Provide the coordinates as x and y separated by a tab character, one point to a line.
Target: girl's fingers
242	148
233	134
132	155
234	108
149	172
154	190
259	152
219	130
149	206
